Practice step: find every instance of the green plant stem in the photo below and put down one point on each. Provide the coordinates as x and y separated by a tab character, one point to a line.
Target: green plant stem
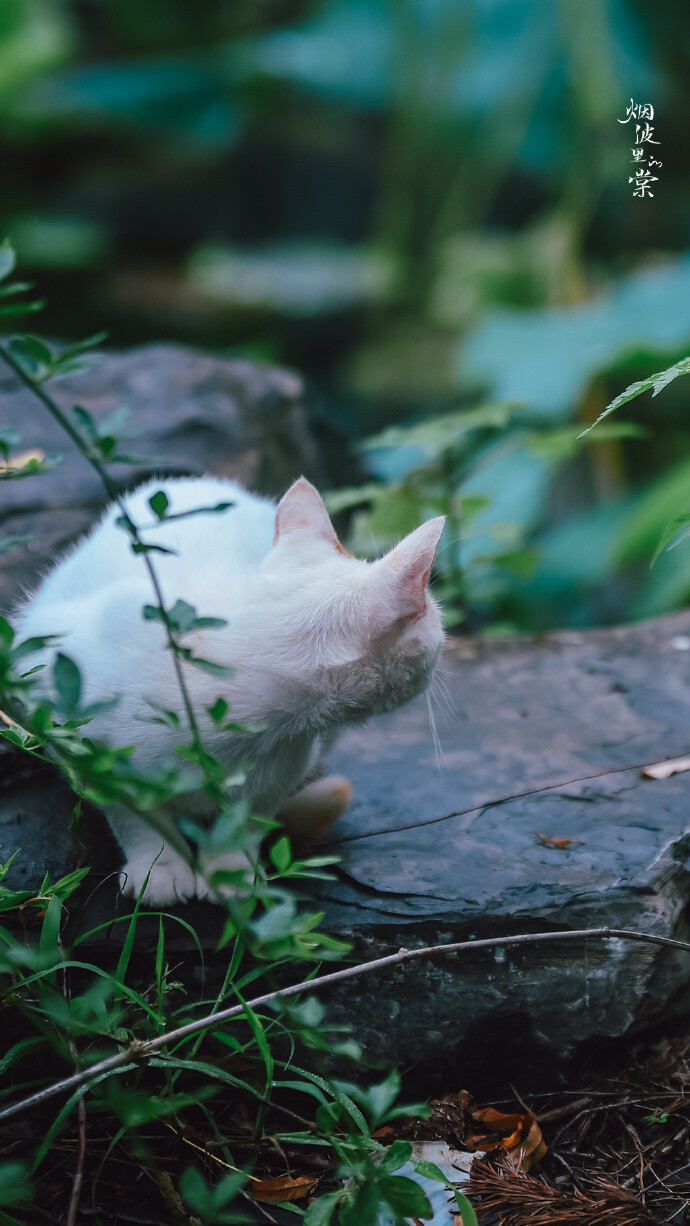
111	489
139	1051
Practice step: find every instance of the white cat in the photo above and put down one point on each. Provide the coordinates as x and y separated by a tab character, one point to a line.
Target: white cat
316	640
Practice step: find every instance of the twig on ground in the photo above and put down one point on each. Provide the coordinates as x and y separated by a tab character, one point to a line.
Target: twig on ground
79	1169
139	1050
557	1113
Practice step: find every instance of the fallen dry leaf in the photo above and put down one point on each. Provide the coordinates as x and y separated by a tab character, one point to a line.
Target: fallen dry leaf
664	770
549	842
456	1120
520	1137
284	1188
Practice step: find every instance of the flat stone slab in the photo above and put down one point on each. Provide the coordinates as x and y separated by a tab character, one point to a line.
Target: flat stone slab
535	737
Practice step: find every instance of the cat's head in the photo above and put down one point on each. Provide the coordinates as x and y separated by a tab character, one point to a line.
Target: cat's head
366	634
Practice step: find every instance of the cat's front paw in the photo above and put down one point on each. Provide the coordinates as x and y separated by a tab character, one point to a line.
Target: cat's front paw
170	881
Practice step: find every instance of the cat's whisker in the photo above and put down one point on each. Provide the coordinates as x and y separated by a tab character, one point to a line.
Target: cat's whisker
444	702
434	734
443	687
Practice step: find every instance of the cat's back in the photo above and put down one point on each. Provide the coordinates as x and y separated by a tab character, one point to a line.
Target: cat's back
223	529
222	524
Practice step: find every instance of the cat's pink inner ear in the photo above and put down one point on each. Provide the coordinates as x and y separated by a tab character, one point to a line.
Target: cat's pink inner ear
411	561
302	509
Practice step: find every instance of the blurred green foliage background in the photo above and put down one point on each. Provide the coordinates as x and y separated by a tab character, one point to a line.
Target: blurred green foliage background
422	204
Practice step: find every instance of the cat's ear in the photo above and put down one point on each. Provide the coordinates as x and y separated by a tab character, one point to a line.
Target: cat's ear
302	509
411	561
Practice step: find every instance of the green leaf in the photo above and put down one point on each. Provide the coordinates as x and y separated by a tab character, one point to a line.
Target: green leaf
652	511
32	355
15	287
169	718
143	547
160	952
136	1107
676	531
86	421
518	561
466	506
159	504
437	435
352	496
404	1196
276	922
21	308
79	347
49	942
566	442
8	258
362	1209
218	710
656	382
14	1180
429	1170
336	1089
67	682
115	424
69	883
281	855
9	899
210	666
182	615
320	1212
9	440
128	944
379	1098
195	1191
467	1213
214	510
396	1156
19	1049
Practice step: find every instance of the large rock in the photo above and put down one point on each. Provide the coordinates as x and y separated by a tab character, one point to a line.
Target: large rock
544	737
192	413
535	737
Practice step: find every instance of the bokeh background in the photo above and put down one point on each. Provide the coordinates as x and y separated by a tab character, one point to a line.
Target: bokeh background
424	206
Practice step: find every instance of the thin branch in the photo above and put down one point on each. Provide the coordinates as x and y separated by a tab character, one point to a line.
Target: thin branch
493	803
111	489
79	1169
139	1051
78	1177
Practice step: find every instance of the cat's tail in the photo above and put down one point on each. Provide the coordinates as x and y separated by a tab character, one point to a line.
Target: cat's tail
308	814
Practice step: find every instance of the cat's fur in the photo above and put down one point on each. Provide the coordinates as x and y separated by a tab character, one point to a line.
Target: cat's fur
316	639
